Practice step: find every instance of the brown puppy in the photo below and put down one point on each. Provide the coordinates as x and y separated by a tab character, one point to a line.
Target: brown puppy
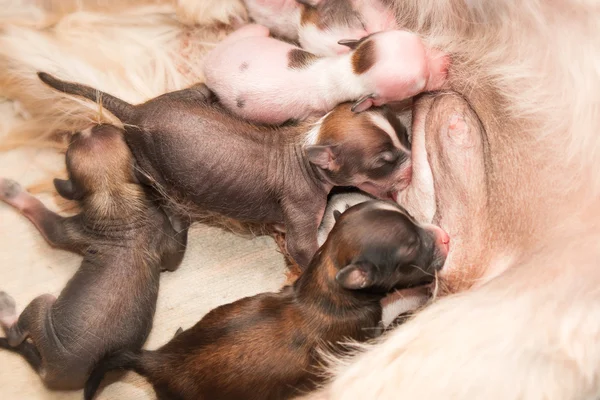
125	239
202	156
267	346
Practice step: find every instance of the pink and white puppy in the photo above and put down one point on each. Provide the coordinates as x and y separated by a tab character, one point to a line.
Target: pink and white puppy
269	81
318	26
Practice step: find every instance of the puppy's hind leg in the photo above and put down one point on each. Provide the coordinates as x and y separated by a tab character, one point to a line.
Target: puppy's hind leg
8	319
58	231
27	350
8	310
176	244
31	322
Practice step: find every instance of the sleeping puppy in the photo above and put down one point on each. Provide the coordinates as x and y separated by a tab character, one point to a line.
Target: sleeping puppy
268	346
125	240
204	158
397	306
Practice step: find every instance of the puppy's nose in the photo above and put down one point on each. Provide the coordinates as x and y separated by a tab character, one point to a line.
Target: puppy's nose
442	239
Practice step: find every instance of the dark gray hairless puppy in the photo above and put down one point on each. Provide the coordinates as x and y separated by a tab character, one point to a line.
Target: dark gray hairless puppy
125	238
201	155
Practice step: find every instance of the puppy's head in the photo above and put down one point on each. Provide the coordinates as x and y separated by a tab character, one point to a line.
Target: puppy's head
368	150
377	246
98	160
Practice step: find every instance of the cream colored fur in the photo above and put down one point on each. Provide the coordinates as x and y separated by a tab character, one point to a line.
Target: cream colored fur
135	54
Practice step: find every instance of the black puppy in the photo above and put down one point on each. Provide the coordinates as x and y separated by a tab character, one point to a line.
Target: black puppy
267	346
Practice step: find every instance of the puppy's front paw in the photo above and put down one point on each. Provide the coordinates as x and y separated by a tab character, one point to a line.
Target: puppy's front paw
9	189
8	310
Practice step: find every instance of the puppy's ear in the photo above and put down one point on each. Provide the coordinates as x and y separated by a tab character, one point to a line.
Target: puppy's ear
322	156
66	189
358	275
336	214
352	43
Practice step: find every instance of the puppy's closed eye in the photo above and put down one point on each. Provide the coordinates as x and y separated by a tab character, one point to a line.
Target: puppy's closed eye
386	158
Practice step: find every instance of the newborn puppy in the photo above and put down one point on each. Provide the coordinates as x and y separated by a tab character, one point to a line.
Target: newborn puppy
267	346
337	205
319	25
397	306
207	159
125	240
265	80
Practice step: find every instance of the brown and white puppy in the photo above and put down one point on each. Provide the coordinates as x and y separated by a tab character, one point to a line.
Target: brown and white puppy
268	346
201	155
125	240
318	26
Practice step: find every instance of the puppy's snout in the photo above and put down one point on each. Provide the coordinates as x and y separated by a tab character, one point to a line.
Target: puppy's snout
442	239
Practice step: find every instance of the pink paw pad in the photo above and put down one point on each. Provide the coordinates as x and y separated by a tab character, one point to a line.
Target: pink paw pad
9	188
8	310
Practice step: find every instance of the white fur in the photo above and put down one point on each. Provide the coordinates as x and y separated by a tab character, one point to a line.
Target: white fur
136	55
207	12
339	202
382	122
337	82
325	42
402	302
282	17
312	137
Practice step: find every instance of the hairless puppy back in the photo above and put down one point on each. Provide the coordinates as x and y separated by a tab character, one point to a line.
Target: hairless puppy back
199	154
125	240
266	80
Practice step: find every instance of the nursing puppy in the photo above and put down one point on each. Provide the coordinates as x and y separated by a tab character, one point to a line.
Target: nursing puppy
265	80
125	240
397	306
267	346
318	26
202	156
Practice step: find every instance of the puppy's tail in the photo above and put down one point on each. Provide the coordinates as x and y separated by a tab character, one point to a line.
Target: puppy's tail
125	360
119	108
27	350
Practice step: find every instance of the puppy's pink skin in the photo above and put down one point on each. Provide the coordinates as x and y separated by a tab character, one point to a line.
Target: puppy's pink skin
282	17
404	67
376	16
250	74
